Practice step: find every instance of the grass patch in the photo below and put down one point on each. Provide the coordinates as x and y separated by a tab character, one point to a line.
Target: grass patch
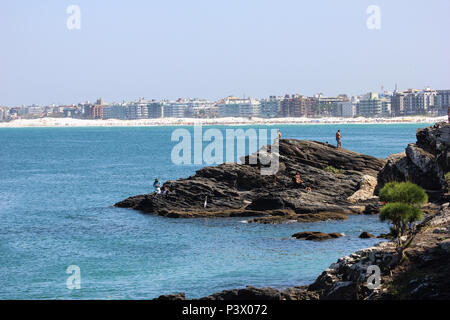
333	170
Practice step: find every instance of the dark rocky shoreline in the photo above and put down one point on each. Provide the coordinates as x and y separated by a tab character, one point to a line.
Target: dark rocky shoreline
342	182
424	274
233	189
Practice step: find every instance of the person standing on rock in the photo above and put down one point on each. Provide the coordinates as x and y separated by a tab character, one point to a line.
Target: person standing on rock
279	134
338	139
157	186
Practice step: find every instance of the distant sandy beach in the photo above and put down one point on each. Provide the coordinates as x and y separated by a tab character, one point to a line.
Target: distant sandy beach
69	122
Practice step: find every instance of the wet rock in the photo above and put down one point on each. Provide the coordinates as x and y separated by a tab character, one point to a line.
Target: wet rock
366	235
316	236
372	208
176	296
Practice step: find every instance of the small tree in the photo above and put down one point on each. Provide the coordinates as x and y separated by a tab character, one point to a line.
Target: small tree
404	200
404	192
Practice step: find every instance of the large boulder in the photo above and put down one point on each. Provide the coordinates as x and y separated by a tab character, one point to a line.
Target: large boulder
316	235
366	189
424	162
366	235
239	189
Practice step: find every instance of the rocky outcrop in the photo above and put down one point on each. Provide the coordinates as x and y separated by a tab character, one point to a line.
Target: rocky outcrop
421	275
366	235
240	190
316	236
366	189
252	293
175	296
346	278
424	163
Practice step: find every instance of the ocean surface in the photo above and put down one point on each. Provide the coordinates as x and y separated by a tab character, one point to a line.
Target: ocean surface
57	188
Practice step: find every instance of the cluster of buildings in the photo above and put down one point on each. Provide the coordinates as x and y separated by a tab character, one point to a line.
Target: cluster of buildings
426	101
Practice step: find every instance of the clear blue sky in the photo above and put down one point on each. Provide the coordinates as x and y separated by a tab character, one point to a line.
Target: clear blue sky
214	48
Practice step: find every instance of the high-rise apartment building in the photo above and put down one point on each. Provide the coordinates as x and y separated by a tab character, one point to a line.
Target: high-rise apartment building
372	105
137	110
296	106
348	109
413	101
3	114
442	101
155	110
116	111
237	107
270	107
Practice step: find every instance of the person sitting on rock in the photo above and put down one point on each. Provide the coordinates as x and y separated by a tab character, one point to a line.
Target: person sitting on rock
299	183
157	186
165	190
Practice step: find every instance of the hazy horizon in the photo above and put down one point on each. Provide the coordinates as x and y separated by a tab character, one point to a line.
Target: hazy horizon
204	49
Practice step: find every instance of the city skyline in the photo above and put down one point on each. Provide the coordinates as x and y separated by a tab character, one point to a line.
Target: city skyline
213	50
427	101
92	100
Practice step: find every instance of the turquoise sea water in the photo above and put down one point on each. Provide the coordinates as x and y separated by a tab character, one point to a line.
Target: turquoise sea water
57	187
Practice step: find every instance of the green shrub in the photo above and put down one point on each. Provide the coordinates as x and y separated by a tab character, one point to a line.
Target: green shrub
402	215
405	192
333	170
403	206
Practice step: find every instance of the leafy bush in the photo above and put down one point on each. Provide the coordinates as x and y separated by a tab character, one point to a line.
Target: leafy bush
333	170
405	192
403	206
402	215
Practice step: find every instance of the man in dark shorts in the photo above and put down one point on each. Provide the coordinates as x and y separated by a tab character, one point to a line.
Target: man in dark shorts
338	139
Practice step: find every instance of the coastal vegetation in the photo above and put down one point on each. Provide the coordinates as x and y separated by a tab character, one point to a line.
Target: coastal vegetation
333	170
403	206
